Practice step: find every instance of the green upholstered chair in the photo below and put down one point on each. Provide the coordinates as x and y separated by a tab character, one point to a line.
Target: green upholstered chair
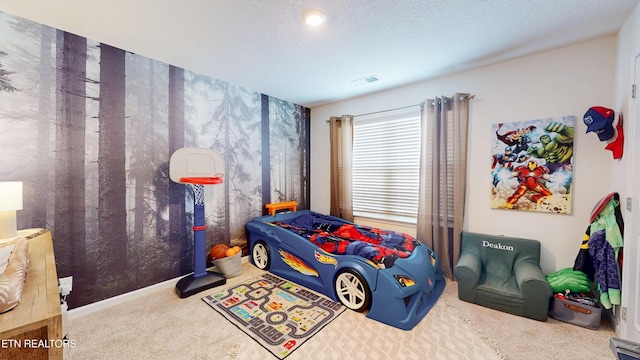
503	273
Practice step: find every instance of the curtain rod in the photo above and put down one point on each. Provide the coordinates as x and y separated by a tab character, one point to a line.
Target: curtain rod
383	111
403	107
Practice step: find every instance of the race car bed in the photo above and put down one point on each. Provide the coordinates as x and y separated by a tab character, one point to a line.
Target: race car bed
392	275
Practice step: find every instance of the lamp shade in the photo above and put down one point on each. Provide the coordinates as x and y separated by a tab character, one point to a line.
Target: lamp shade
10	195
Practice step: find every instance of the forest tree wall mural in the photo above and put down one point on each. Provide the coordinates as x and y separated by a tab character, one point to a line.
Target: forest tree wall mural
89	128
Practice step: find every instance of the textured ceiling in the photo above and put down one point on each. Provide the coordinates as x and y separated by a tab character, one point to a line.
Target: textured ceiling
264	45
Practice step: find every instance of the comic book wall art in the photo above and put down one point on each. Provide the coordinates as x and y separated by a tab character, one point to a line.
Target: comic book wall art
532	165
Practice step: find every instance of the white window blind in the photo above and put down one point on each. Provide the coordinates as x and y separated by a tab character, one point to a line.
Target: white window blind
386	162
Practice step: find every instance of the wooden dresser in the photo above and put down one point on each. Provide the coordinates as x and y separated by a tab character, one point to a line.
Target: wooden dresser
33	329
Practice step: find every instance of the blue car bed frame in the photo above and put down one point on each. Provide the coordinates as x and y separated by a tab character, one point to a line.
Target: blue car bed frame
399	294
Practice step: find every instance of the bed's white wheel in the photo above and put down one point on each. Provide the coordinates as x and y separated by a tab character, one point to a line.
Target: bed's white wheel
352	290
260	255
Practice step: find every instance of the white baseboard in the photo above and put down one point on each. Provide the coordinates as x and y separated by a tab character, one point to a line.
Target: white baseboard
119	299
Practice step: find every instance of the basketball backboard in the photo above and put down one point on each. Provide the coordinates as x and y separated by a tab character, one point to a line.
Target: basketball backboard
195	163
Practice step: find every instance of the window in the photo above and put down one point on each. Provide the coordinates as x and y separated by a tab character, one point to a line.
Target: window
386	163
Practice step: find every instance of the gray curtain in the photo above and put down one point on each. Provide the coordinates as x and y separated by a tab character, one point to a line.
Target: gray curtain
341	140
443	164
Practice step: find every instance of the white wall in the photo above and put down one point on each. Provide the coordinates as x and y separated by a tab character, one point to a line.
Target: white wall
628	48
622	174
561	82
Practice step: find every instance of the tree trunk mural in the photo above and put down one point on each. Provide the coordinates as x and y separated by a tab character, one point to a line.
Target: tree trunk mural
117	221
70	179
265	152
112	228
177	221
288	141
305	166
47	78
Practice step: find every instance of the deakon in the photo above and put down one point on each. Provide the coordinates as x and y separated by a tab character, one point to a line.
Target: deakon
498	246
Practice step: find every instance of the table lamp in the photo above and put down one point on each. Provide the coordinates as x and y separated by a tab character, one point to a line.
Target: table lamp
10	201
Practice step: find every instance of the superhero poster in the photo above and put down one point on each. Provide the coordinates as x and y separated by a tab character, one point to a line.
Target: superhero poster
532	165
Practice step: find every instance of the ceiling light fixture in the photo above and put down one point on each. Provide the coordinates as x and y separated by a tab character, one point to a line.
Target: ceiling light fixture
314	17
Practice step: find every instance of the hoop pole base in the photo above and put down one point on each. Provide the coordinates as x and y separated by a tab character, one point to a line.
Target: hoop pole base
201	279
190	285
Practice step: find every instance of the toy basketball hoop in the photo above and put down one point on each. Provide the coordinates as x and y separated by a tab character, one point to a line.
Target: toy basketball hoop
197	168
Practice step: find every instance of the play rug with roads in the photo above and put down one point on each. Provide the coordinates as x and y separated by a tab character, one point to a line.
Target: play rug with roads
278	314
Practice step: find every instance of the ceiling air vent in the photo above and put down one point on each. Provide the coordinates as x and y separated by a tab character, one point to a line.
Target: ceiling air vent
366	80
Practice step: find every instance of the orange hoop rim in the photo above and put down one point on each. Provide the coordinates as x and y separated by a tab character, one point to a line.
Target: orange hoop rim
202	180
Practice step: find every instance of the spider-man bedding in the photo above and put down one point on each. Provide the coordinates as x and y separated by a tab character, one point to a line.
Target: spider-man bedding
390	274
382	247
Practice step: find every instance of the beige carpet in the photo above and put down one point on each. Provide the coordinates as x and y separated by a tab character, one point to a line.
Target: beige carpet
163	326
518	338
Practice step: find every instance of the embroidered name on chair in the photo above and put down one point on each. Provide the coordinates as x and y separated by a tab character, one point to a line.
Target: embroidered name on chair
498	246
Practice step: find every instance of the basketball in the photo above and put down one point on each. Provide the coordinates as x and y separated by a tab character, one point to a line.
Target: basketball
218	251
233	250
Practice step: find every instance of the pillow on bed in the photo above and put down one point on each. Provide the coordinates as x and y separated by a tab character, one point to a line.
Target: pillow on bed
14	275
5	252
